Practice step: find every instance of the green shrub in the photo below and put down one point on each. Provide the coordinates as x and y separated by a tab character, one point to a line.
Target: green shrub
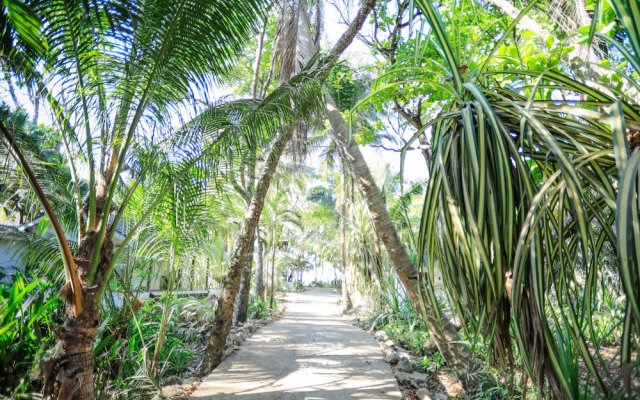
258	310
413	339
403	325
28	313
126	343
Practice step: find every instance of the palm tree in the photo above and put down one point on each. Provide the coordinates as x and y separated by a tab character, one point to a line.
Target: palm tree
443	333
114	77
290	64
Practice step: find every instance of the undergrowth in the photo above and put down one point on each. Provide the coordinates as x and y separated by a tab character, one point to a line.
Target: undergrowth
29	310
125	342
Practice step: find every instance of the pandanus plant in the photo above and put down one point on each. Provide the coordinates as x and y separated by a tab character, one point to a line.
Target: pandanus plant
525	195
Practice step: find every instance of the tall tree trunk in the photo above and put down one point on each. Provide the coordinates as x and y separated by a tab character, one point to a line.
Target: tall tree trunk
273	266
68	374
259	267
242	303
256	64
36	108
242	252
206	275
442	332
192	274
346	299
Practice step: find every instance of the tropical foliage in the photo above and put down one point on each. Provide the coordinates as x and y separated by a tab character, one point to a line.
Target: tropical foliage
216	148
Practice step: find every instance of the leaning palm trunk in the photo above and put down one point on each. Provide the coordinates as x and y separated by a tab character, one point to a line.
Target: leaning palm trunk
442	332
346	299
241	254
224	312
259	267
245	288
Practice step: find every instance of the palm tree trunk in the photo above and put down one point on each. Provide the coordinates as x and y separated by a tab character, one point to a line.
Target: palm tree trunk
346	299
259	267
68	374
241	254
245	287
36	109
206	276
273	266
256	65
442	332
9	82
192	274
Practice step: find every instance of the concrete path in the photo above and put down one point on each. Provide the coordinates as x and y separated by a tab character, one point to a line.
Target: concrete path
311	353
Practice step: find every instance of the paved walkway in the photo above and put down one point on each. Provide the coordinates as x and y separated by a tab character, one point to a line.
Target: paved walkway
311	353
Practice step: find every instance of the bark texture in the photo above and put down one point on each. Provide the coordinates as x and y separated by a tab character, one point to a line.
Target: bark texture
68	374
346	299
259	267
245	288
442	332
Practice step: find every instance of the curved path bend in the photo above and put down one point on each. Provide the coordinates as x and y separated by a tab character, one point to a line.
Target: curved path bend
311	353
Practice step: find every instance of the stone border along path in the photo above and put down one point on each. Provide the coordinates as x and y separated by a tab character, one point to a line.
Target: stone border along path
310	353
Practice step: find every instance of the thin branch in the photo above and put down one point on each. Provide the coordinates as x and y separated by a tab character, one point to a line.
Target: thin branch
256	65
381	146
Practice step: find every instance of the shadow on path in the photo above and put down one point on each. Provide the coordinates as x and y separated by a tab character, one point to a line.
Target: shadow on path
311	353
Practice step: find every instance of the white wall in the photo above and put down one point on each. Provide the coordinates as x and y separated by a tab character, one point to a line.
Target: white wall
9	258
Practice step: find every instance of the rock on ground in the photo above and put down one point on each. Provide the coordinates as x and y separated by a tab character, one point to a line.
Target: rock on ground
415	379
169	392
404	365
